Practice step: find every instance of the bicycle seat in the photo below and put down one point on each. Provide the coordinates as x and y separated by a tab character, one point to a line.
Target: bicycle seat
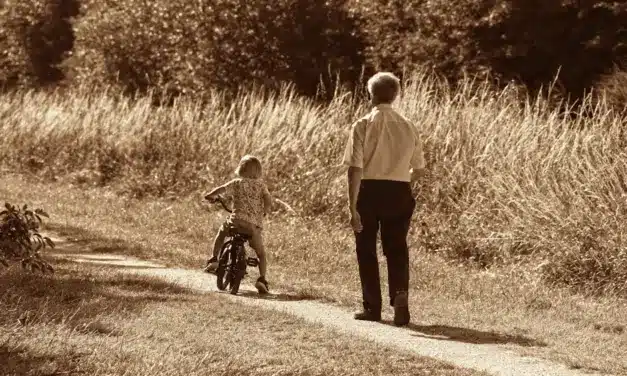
234	232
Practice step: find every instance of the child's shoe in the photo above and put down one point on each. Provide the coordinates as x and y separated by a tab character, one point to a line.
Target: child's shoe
262	285
212	265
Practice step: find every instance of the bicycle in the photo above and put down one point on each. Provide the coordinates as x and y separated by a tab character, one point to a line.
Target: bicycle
233	259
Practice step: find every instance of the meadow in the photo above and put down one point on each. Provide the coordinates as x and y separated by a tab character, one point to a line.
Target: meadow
519	228
510	180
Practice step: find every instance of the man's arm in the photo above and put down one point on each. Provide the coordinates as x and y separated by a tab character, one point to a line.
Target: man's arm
354	159
354	181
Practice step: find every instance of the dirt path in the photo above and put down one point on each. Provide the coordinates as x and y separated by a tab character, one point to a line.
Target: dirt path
492	358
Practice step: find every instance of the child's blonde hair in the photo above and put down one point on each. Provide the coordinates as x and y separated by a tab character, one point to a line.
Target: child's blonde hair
249	167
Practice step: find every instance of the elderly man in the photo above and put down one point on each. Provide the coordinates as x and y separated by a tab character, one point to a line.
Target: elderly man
383	154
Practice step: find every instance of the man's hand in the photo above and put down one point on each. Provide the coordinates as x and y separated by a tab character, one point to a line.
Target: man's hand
355	221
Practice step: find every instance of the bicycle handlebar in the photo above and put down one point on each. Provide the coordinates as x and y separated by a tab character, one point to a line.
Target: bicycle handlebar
219	200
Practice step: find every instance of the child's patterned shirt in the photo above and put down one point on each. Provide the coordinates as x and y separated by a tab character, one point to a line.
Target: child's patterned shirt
248	199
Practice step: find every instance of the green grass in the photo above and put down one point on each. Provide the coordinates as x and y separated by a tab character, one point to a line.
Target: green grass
508	304
98	321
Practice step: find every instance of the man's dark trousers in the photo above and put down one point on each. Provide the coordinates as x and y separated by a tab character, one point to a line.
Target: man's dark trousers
388	206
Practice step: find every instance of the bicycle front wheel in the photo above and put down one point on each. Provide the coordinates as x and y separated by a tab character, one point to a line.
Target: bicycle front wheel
239	271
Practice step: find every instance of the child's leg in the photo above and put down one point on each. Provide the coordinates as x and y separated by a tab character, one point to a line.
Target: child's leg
218	241
256	243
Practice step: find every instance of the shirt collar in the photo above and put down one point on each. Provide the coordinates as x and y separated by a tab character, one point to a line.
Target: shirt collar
383	106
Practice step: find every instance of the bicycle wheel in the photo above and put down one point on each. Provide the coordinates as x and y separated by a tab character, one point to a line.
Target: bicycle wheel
239	270
224	275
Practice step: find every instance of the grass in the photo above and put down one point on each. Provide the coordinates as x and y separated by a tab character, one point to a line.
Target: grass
507	304
509	178
97	321
520	224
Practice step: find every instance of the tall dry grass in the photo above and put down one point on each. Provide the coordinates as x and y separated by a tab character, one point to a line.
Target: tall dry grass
508	178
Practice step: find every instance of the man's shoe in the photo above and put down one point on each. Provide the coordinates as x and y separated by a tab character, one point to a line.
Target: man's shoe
367	315
401	309
262	285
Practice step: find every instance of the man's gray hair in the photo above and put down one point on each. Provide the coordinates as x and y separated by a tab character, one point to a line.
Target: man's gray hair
384	87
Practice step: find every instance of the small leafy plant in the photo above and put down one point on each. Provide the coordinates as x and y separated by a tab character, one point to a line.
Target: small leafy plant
20	240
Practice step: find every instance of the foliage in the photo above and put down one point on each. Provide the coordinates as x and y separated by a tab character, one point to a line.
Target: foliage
530	42
20	240
413	35
174	48
612	89
592	262
181	47
35	37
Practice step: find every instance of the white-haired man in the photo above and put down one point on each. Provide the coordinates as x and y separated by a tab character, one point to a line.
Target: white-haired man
384	154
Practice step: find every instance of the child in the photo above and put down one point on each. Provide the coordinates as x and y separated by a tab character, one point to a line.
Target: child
251	202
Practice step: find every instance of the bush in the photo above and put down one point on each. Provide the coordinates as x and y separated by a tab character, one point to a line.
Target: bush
522	40
180	47
592	265
612	89
35	38
20	240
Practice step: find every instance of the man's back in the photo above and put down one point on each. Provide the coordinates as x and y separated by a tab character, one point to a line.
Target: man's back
385	145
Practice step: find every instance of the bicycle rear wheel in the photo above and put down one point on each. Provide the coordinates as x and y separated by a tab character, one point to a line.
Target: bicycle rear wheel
224	273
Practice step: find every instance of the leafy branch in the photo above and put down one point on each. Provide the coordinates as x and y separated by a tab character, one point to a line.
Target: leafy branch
20	240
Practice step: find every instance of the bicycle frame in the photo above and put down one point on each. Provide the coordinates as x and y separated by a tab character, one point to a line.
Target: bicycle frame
233	258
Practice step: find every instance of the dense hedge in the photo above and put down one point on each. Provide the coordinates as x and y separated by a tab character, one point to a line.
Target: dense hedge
185	47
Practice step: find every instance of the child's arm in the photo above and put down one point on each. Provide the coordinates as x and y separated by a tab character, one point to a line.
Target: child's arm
216	192
267	201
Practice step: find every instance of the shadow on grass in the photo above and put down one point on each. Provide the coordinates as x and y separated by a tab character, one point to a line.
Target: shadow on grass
20	362
60	259
76	300
82	240
452	333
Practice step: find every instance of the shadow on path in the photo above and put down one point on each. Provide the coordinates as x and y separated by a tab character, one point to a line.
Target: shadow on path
270	296
453	333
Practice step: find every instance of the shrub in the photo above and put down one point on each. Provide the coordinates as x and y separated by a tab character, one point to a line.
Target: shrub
180	47
20	240
35	38
612	89
592	264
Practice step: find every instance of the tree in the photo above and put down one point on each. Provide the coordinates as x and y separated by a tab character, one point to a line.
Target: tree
35	38
528	41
